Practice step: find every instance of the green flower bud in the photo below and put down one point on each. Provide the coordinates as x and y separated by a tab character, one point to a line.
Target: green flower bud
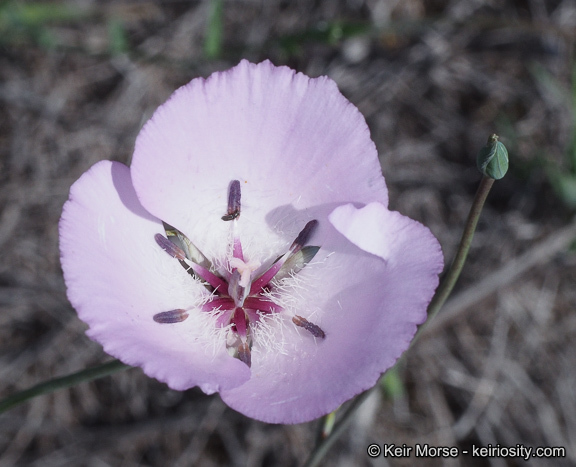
493	159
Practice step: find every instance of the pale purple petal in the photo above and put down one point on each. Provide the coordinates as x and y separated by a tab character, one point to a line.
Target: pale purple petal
300	152
118	278
292	141
369	308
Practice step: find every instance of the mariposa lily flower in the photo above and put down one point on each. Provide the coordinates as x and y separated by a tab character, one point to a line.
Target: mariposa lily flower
248	249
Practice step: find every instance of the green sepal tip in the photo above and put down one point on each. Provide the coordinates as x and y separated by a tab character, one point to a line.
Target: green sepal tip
493	159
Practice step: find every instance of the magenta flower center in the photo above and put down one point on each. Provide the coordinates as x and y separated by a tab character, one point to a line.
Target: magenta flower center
240	297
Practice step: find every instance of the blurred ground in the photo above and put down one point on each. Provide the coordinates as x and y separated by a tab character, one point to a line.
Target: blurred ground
434	78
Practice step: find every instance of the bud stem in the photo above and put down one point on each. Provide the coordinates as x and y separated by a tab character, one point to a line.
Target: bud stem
332	431
445	288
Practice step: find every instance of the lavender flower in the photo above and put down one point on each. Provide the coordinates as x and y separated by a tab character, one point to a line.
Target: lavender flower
248	249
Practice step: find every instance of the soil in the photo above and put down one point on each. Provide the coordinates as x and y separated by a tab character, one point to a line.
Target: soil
434	78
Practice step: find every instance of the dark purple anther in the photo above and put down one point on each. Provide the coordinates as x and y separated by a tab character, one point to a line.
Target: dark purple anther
169	247
304	235
316	331
234	195
170	317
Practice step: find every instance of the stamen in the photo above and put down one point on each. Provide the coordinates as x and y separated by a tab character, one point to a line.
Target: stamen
313	329
183	242
170	317
244	354
176	252
295	248
216	282
169	247
233	201
304	236
296	262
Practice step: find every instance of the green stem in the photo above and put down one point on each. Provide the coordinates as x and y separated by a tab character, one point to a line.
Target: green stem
445	289
442	293
60	383
214	30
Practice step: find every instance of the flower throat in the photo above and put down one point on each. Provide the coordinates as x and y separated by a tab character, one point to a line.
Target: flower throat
240	294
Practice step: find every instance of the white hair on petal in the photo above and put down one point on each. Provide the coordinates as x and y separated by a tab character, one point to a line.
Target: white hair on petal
269	333
207	333
298	293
